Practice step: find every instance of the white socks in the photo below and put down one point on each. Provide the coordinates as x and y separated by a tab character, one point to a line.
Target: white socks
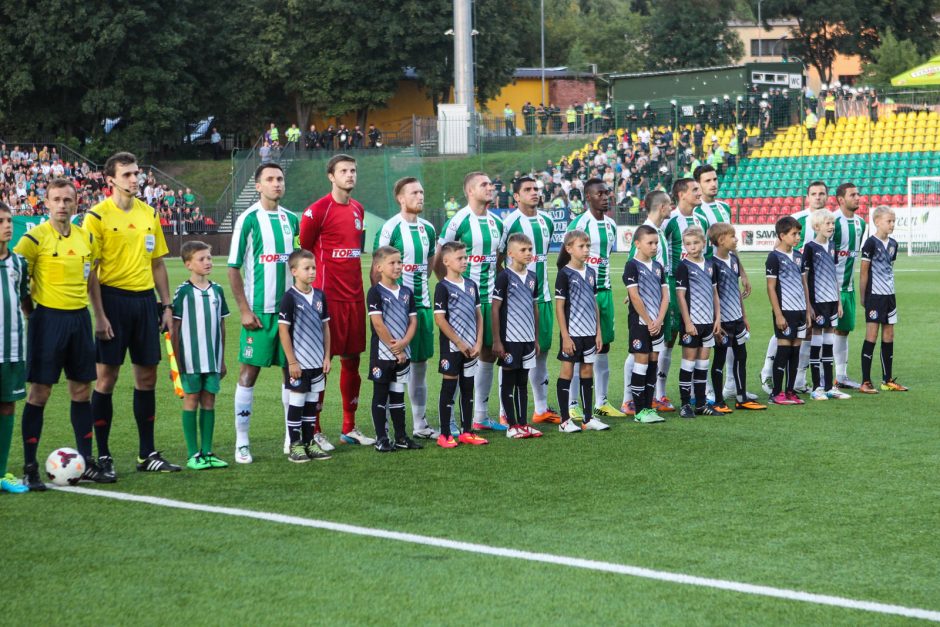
767	372
482	384
662	369
244	399
418	393
840	352
627	376
730	388
601	379
575	395
538	379
805	348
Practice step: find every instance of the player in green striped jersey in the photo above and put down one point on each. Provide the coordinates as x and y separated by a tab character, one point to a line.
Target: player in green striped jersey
688	195
414	238
263	238
14	299
199	343
658	208
715	211
817	194
538	227
481	231
847	243
603	234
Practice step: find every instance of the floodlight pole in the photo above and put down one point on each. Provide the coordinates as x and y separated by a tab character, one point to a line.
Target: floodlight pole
463	60
542	5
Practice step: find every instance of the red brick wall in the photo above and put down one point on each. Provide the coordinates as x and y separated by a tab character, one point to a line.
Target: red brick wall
564	92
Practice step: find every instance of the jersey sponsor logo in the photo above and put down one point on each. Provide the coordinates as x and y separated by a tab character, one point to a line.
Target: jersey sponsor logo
481	258
273	258
149	243
414	267
540	258
597	261
346	253
847	253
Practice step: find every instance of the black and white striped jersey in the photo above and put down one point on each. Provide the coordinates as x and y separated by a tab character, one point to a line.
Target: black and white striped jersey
459	303
517	314
697	281
305	314
786	269
395	307
648	277
881	254
577	289
819	266
728	272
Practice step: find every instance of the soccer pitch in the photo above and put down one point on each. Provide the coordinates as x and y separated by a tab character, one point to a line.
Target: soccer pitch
731	514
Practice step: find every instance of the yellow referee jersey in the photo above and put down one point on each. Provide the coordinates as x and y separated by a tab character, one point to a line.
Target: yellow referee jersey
59	266
129	240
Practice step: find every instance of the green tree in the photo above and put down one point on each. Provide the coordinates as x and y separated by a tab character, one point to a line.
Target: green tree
890	58
682	34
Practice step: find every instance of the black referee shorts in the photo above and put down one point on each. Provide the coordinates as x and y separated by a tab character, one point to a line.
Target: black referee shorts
58	339
135	321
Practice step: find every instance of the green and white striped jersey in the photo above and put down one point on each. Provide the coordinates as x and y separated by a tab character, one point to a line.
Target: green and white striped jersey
807	234
539	228
482	235
200	312
713	212
14	286
261	243
847	243
603	234
415	241
675	227
662	251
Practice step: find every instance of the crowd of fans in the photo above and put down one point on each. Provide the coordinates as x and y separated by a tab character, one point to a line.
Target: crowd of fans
331	138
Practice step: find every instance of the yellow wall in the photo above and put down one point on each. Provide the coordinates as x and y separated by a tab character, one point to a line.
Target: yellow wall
517	93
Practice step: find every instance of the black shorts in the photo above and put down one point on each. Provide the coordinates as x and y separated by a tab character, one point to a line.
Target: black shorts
641	340
311	380
704	339
389	372
58	339
135	321
881	309
826	315
518	355
796	326
585	350
734	333
456	363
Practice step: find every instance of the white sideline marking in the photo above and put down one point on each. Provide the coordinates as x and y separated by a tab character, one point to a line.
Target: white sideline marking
547	558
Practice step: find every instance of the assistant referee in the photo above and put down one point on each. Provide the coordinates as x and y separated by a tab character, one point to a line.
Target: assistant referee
127	316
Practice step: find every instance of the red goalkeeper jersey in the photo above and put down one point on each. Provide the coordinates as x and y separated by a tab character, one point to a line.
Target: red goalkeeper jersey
333	232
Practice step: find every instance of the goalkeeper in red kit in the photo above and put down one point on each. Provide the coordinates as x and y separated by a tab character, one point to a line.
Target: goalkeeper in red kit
333	229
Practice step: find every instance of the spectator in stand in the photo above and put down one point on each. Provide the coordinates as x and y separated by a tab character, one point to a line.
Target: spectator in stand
265	151
312	138
293	134
215	140
272	134
811	122
189	198
698	139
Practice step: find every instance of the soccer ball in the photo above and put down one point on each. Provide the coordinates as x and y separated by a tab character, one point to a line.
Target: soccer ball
65	466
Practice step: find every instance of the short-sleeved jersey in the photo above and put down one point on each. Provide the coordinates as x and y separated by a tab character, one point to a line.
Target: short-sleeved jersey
820	270
728	273
395	307
128	241
59	265
603	234
662	251
577	289
649	278
787	270
847	243
713	213
305	315
697	282
881	254
14	287
333	232
415	241
482	235
516	316
200	312
807	233
675	227
540	229
459	303
262	241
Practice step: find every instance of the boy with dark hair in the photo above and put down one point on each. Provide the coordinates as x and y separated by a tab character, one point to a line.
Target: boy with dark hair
788	306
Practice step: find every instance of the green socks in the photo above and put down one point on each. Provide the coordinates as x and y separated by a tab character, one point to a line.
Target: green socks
6	438
189	432
206	428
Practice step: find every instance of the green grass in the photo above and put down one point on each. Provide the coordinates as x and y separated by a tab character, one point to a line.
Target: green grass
832	498
203	176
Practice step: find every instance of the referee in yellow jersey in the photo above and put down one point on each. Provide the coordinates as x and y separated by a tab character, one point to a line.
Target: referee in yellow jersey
127	315
59	258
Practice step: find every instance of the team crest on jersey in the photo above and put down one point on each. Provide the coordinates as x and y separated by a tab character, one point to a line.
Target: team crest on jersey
659	273
786	330
250	340
890	250
820	320
404	298
376	373
318	306
358	224
637	344
472	291
724	339
872	314
709	271
445	364
686	338
734	267
292	382
591	281
531	285
421	228
508	358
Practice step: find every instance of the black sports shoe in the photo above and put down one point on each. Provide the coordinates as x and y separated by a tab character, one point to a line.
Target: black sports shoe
384	446
155	463
407	443
106	467
686	411
705	410
315	453
31	478
94	474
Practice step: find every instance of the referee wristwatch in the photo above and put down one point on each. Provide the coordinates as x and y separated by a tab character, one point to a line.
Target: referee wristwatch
165	306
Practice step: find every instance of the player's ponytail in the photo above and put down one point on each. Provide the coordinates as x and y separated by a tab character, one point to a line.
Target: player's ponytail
571	237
